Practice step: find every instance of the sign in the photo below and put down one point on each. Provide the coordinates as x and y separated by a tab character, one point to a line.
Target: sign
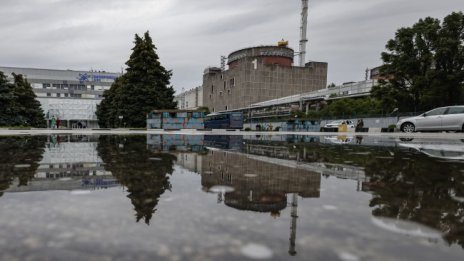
85	77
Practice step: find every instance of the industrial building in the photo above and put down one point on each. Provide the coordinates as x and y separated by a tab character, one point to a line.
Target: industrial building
191	99
260	74
71	96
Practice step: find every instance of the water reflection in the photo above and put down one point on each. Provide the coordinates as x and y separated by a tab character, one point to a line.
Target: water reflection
145	173
19	159
416	181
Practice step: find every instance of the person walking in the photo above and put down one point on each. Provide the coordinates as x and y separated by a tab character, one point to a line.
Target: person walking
58	122
53	122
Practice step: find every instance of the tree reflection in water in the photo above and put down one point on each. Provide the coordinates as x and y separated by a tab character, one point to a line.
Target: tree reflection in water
19	158
144	173
405	184
419	189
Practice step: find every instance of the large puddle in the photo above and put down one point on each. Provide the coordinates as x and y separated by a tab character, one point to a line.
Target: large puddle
180	197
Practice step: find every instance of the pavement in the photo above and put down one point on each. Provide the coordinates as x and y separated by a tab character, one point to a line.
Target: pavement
14	132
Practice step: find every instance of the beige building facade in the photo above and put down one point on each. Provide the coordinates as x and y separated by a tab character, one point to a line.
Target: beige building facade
259	74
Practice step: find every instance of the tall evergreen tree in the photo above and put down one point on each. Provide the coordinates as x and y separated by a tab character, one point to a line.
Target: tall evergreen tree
426	65
27	107
144	87
18	104
6	101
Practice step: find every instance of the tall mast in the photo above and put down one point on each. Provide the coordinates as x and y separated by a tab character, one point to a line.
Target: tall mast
303	31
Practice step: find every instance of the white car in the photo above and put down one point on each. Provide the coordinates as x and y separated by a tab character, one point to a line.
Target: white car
440	119
337	123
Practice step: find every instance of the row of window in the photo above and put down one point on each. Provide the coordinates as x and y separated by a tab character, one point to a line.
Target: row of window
231	84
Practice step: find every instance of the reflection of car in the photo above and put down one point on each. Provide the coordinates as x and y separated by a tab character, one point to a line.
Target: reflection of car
440	119
443	149
338	123
339	139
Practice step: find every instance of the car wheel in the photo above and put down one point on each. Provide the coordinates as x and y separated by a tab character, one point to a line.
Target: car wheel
408	127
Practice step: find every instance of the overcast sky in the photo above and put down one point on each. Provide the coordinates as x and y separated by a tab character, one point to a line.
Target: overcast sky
192	34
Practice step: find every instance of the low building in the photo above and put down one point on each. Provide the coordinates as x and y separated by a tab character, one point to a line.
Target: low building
71	96
259	74
191	99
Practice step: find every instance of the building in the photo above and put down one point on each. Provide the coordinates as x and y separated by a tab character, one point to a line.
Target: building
191	99
71	96
259	74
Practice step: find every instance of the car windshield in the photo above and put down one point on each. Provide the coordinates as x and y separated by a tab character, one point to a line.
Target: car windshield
336	122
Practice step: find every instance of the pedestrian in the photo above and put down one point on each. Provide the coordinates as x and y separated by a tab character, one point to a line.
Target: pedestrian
359	125
58	122
53	122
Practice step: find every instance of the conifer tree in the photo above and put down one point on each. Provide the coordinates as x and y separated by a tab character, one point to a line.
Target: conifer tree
18	104
26	106
6	101
145	86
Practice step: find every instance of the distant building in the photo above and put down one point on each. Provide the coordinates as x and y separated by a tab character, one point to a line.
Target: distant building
376	74
70	95
259	74
191	99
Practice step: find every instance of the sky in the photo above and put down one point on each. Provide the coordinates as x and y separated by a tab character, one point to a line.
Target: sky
191	35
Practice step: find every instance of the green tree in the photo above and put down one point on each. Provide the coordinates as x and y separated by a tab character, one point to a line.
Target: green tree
143	88
108	111
424	64
18	103
6	101
26	106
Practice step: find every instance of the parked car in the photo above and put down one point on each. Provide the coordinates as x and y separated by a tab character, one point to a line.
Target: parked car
337	123
440	119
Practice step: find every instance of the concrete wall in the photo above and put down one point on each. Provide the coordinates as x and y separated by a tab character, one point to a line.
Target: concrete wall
246	83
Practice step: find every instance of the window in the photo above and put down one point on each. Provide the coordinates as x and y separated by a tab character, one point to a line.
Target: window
225	85
92	87
220	93
66	95
45	85
58	95
212	88
228	91
439	111
456	110
210	97
49	94
232	82
227	107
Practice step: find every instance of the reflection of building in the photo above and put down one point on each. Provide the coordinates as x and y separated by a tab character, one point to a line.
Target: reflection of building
259	185
175	142
69	95
259	74
69	162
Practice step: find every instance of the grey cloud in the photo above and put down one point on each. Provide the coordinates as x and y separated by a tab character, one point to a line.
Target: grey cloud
192	34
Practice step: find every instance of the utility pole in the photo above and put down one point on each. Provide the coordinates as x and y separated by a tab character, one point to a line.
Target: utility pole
303	31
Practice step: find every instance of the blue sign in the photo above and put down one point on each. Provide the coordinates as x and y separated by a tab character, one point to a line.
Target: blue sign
85	77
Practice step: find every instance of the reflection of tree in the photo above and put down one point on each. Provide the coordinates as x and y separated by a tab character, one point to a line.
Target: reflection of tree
406	185
419	190
143	172
20	157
